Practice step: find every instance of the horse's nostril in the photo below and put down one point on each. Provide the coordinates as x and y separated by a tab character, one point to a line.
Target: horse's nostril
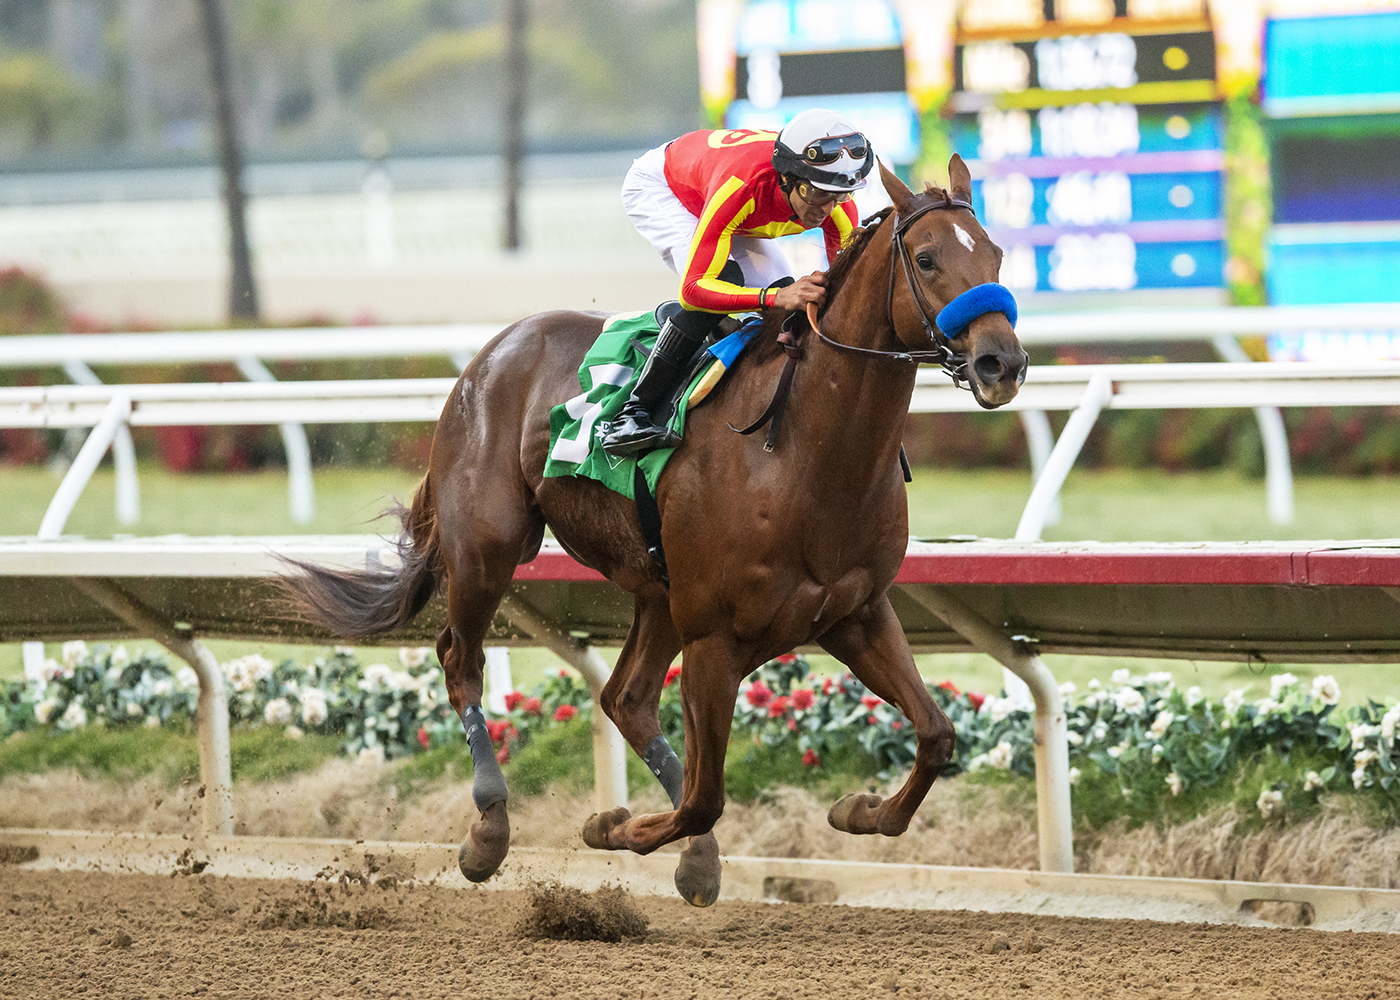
990	369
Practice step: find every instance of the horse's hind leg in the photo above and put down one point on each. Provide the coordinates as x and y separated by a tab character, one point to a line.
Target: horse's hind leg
481	558
872	644
631	699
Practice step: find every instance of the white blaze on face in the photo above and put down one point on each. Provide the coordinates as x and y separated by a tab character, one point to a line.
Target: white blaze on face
963	237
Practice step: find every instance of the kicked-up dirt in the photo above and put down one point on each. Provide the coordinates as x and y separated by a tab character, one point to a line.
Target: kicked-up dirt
67	934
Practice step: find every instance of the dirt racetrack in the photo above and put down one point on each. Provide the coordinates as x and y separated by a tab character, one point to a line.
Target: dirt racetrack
65	934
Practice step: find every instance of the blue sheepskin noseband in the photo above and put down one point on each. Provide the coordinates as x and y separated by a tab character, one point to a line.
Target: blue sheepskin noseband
976	301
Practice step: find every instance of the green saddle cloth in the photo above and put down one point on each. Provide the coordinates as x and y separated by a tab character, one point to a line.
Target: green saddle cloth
607	375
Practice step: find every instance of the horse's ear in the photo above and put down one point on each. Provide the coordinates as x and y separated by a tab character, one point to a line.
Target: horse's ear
959	178
894	187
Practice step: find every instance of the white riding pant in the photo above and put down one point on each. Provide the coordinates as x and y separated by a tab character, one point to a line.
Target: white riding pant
670	227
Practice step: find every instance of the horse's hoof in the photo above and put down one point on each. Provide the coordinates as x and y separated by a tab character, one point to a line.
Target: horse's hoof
486	844
855	813
697	876
598	826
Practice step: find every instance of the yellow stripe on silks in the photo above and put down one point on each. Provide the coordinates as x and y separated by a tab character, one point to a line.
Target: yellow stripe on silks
775	229
707	382
723	241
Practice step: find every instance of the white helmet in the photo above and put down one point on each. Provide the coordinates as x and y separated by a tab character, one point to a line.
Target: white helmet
825	150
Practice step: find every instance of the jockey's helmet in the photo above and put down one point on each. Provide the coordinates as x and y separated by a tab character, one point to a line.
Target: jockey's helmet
825	150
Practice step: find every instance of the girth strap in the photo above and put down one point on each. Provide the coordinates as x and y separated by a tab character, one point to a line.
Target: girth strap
649	514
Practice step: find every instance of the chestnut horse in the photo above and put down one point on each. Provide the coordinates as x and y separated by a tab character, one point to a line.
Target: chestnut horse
767	551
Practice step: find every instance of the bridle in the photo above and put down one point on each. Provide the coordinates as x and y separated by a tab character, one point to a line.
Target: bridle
942	355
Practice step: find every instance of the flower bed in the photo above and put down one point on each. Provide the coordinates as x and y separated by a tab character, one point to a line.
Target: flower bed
1140	745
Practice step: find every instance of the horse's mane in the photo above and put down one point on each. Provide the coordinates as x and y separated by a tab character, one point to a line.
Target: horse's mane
765	345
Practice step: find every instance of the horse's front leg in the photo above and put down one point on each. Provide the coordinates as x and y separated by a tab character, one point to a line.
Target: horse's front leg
709	686
872	643
632	699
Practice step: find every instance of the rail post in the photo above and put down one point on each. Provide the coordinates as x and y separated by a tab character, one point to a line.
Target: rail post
1040	441
1278	468
80	472
609	748
1097	395
301	492
1056	831
123	451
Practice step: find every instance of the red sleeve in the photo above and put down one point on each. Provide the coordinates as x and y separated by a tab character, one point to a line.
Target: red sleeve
838	228
701	288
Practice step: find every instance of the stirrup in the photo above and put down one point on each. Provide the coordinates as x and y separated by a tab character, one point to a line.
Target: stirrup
633	432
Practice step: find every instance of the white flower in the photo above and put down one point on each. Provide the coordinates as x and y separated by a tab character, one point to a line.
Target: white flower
1002	708
1115	752
54	670
343	650
133	709
1365	758
1157	752
1233	701
1100	732
43	711
1358	778
392	712
152	721
1266	705
74	718
1161	723
38	673
1174	783
120	657
313	707
1281	682
1130	700
1160	677
1194	696
1121	676
1000	755
245	672
977	763
163	688
1326	689
113	676
1312	781
402	680
371	755
74	652
1360	732
376	676
186	679
294	733
1094	684
277	712
413	656
1269	800
1074	738
1127	792
1074	776
1388	721
1068	689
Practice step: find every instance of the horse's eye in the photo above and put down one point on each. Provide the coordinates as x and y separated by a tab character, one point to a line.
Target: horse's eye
925	261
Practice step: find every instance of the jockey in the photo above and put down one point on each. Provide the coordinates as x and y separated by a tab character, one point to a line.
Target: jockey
709	202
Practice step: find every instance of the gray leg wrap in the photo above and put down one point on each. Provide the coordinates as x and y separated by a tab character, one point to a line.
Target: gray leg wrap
666	766
488	783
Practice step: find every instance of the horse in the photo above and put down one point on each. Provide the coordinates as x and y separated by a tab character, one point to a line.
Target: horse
770	545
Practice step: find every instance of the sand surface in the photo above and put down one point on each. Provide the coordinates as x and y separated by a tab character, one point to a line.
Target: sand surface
66	934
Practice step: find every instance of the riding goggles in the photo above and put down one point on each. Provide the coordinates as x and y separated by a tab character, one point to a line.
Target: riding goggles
828	148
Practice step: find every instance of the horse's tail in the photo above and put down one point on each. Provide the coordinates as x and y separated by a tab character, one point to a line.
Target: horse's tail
362	603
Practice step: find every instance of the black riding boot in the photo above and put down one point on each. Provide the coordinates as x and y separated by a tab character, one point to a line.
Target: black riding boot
641	423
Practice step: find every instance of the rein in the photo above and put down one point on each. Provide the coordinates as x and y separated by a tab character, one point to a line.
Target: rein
942	355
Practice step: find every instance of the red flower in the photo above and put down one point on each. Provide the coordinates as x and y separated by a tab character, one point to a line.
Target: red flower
976	700
503	754
896	724
951	688
872	720
810	758
870	701
778	706
792	724
802	699
496	729
672	674
564	713
531	706
759	694
513	699
826	686
423	737
785	660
